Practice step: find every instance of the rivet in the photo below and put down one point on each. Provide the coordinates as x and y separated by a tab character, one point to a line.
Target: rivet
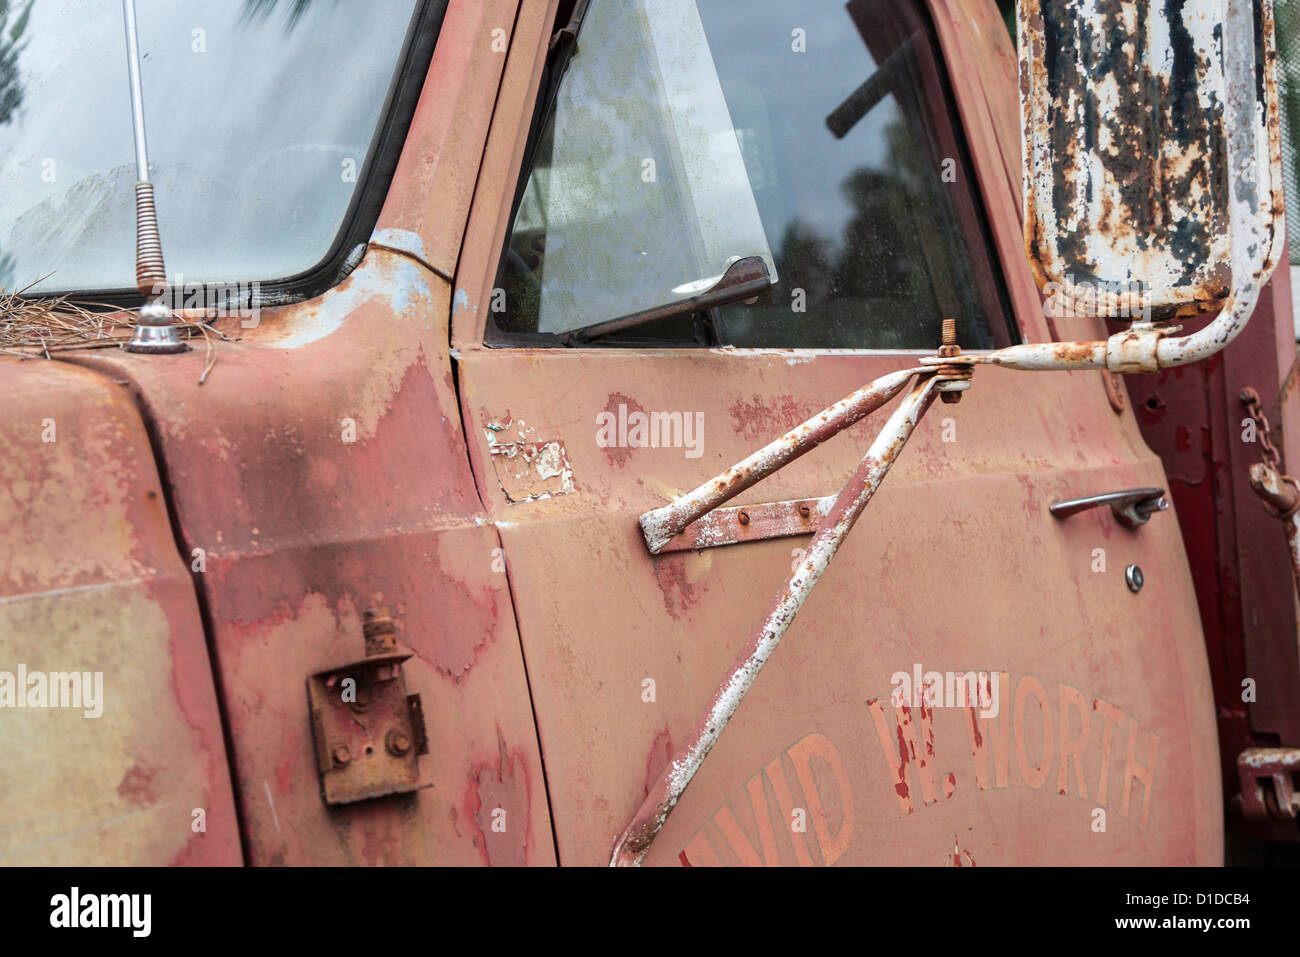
1133	578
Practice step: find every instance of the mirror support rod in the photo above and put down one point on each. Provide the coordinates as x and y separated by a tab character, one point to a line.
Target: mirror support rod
663	797
660	525
154	332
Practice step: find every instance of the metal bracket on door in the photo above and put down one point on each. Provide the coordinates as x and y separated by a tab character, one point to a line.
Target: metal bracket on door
752	523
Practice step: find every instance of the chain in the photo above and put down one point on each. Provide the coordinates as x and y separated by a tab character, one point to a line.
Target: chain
1256	411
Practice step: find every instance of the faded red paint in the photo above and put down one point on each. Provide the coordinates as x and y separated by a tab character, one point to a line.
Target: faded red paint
661	750
616	454
137	785
497	802
678	592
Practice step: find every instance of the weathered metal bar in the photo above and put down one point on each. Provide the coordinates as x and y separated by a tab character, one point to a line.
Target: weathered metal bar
1280	801
663	797
752	523
661	524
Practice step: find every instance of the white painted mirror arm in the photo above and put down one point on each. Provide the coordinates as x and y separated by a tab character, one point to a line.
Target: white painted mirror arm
660	525
632	844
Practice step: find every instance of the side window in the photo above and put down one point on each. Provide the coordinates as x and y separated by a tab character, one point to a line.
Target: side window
758	174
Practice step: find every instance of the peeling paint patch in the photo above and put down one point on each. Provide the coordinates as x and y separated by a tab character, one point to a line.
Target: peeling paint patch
497	801
527	467
402	241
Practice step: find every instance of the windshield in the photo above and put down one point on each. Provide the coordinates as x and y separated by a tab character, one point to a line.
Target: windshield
259	113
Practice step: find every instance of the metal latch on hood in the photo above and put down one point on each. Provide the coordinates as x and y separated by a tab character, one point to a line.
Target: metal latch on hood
369	732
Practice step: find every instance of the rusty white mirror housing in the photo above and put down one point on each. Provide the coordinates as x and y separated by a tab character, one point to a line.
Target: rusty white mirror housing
1152	172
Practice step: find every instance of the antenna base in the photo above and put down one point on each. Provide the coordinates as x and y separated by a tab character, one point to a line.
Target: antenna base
154	333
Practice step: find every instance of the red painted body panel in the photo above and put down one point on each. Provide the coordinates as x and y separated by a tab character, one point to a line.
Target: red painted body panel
322	470
956	565
91	581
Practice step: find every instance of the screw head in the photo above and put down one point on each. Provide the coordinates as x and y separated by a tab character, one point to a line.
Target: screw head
742	517
1133	578
397	741
342	756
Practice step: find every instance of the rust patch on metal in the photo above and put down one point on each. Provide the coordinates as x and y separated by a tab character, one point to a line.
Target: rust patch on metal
661	752
1114	391
1125	162
369	732
757	417
752	523
680	593
1268	783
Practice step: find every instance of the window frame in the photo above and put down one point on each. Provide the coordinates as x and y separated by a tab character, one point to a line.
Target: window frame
709	325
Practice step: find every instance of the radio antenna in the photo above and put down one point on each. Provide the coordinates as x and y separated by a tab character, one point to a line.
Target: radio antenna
154	331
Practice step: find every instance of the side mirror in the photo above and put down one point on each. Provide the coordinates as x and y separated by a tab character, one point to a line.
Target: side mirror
1152	160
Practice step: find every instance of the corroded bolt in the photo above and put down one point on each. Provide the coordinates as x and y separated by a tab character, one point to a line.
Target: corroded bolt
804	510
742	518
948	350
342	756
397	741
380	632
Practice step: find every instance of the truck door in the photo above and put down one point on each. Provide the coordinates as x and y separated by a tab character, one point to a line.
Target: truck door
862	158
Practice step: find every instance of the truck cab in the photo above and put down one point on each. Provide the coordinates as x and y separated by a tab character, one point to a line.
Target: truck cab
549	266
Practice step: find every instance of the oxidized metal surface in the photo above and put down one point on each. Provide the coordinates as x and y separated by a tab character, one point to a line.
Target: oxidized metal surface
322	470
1126	154
852	499
91	584
1268	783
1239	558
369	733
804	738
1280	493
752	523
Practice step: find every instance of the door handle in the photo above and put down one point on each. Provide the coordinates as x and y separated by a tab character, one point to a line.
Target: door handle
1132	506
